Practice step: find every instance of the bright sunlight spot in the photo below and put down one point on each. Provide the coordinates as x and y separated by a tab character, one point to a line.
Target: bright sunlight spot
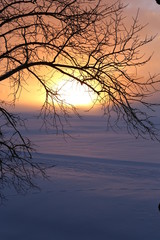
75	93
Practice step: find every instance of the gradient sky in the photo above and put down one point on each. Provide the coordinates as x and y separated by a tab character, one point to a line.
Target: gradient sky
149	13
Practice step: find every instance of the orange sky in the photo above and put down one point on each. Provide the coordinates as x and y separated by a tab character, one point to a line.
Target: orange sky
149	13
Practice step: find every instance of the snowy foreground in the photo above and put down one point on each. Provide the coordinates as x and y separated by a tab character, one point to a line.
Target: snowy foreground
104	186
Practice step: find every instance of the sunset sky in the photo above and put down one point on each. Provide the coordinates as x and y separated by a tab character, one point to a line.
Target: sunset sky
149	13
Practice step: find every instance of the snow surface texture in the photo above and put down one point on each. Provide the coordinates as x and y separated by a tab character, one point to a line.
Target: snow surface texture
104	186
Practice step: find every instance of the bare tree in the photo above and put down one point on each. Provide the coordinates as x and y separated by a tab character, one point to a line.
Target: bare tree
87	41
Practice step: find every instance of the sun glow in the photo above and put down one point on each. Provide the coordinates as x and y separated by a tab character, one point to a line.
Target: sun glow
75	93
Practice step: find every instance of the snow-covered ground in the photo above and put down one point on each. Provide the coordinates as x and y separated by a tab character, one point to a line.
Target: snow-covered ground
104	186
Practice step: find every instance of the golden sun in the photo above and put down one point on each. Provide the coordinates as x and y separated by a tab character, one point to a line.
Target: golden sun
75	93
